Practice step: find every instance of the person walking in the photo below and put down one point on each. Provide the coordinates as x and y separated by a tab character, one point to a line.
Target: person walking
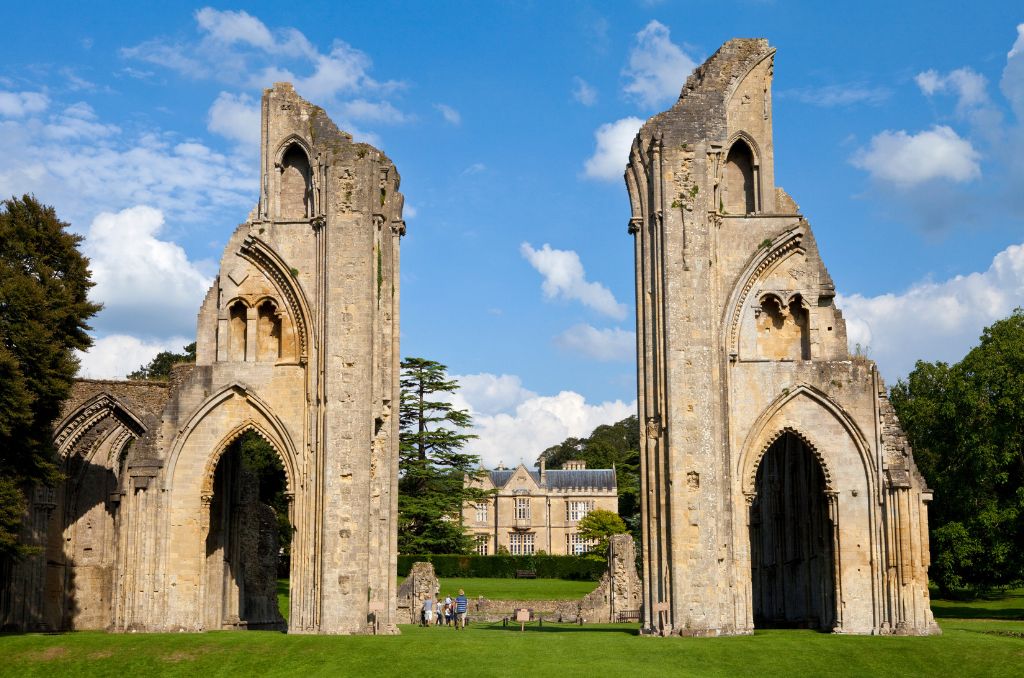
448	602
461	607
427	613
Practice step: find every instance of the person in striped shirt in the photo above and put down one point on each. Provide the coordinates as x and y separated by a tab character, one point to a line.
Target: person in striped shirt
461	606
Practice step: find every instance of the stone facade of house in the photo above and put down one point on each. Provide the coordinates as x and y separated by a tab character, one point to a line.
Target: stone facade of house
157	528
534	511
777	486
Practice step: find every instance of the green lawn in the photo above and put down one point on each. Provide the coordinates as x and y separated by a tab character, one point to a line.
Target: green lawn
517	589
968	647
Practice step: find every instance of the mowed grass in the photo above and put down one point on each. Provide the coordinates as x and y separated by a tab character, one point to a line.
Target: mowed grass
967	648
1008	605
516	589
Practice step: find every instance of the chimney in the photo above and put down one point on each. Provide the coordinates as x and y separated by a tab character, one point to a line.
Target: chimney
543	473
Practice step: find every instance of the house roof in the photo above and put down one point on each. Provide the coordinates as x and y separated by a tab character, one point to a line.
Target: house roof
557	479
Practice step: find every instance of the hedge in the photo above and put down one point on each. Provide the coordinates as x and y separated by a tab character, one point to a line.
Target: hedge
504	567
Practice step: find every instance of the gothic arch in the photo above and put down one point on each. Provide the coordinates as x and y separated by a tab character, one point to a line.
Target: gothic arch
273	430
761	264
759	439
90	413
232	436
737	81
294	160
289	290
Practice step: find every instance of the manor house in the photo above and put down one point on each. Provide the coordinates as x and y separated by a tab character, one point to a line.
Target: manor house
533	511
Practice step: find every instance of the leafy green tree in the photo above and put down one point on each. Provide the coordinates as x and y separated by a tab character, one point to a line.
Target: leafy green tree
432	465
600	525
966	425
609	445
44	308
159	368
259	457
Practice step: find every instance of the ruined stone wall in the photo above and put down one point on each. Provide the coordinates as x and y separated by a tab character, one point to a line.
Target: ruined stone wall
739	341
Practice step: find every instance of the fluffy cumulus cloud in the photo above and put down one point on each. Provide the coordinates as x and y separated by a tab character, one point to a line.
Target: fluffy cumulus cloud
935	320
564	278
114	356
607	344
969	86
907	160
147	285
657	67
514	424
235	117
18	104
84	166
611	152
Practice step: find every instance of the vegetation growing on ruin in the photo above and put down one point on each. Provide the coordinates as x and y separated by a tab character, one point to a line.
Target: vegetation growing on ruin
159	368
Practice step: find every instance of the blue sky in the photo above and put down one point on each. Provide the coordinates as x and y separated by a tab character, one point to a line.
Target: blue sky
899	130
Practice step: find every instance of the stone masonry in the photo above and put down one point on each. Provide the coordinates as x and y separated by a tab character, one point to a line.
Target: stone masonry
297	341
778	488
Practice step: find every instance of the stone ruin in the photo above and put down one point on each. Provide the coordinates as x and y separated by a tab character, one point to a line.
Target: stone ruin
157	527
616	597
777	486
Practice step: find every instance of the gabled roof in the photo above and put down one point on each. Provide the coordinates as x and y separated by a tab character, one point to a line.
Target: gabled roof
597	478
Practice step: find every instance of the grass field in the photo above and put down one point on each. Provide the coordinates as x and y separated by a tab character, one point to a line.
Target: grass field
968	647
517	589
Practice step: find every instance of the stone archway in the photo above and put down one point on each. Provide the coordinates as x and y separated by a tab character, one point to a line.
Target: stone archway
792	550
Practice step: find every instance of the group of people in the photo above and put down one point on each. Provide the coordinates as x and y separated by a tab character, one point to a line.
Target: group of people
448	611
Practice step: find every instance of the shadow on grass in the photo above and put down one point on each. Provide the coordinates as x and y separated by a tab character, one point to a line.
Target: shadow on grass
554	627
964	612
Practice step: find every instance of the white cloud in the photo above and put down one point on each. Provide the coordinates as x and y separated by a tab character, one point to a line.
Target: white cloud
608	344
475	168
911	159
565	278
611	153
114	356
450	115
234	27
1012	82
969	86
373	111
83	166
583	91
18	104
235	117
657	67
515	424
935	320
831	96
147	285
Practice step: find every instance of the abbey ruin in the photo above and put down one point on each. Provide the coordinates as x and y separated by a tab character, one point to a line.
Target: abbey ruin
778	487
156	527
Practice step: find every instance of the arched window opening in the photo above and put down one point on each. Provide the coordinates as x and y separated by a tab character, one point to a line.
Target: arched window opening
782	329
237	320
739	180
249	539
268	332
791	549
295	184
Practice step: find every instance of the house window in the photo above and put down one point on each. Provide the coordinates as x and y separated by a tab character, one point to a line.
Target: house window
482	540
522	508
575	510
576	545
521	543
481	513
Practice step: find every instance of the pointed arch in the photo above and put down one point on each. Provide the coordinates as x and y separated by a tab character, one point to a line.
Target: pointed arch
236	433
289	290
739	178
90	413
273	429
760	265
762	434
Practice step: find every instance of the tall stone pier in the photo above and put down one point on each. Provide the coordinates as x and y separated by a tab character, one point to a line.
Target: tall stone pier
778	488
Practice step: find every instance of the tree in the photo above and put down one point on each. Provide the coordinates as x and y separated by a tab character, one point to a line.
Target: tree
966	425
44	306
599	525
609	445
432	465
159	368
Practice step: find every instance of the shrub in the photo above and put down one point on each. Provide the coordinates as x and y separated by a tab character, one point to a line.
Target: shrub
504	566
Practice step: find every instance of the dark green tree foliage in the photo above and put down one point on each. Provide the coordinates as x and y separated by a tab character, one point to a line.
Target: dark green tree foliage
615	444
44	283
432	465
260	457
159	368
966	425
